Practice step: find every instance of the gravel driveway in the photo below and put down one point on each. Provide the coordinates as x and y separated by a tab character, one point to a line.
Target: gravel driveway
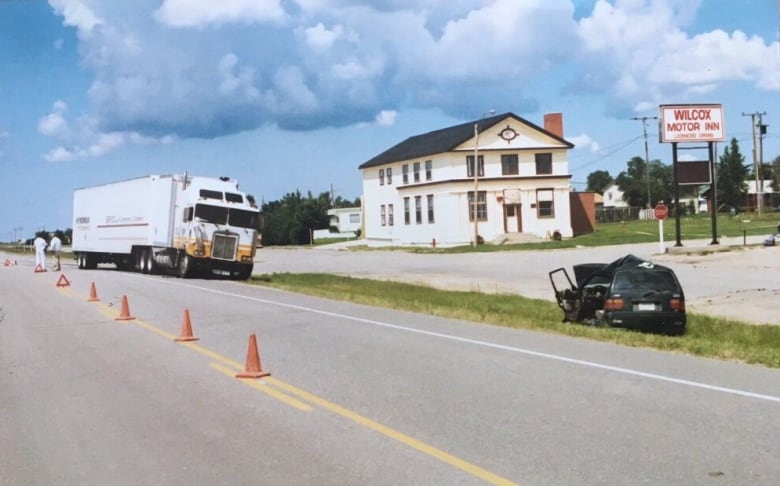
742	283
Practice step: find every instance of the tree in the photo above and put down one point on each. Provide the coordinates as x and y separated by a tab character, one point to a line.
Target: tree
598	181
732	173
289	221
634	182
776	174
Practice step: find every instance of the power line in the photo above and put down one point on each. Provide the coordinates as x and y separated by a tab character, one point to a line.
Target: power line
647	152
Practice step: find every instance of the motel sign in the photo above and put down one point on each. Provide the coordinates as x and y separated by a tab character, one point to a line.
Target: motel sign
692	123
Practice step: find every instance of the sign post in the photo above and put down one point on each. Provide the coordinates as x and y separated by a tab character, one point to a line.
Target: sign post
660	213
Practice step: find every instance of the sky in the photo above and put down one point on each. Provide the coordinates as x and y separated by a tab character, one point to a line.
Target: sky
293	95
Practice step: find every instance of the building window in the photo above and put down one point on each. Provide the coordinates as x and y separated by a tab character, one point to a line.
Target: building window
354	218
416	172
407	216
429	198
509	164
405	170
418	209
382	212
470	165
381	177
389	176
481	206
428	170
545	205
390	215
544	163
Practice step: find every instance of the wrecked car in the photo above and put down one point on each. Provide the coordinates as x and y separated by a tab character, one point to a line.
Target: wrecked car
630	293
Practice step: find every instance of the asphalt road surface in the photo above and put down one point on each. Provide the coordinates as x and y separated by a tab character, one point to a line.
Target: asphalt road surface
356	396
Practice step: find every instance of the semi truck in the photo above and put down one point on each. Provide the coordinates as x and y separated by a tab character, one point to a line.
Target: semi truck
175	224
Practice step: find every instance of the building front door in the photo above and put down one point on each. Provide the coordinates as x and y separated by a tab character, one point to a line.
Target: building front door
513	221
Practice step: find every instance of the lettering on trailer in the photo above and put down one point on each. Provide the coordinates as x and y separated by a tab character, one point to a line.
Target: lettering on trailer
692	123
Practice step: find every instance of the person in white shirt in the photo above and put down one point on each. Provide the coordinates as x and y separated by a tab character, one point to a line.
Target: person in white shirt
55	245
40	253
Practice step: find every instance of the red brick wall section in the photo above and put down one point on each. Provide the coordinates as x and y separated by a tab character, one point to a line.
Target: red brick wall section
583	212
553	123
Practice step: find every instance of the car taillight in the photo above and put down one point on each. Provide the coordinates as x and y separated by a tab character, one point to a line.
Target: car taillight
613	304
677	304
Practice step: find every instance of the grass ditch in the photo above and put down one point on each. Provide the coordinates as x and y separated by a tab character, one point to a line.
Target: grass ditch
706	336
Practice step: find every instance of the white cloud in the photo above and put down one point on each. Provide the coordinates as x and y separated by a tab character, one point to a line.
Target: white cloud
321	38
77	14
236	65
197	13
386	118
584	142
82	139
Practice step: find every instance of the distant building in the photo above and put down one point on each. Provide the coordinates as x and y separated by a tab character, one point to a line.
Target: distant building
613	197
424	189
343	223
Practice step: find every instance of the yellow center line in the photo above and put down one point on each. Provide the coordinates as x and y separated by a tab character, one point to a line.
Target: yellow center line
263	387
389	432
395	435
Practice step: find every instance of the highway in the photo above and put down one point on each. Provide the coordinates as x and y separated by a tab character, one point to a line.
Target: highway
357	395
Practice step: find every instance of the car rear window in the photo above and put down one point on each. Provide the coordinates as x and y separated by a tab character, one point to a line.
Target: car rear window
644	280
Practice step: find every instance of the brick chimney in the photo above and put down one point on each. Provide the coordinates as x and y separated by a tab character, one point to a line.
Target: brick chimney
553	123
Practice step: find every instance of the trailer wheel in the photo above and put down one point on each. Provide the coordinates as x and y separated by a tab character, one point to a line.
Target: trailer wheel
145	260
185	266
80	260
151	264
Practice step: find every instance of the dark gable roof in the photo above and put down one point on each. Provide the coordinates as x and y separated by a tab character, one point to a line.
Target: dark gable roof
445	140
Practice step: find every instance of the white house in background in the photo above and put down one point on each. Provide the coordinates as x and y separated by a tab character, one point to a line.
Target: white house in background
343	223
613	197
423	189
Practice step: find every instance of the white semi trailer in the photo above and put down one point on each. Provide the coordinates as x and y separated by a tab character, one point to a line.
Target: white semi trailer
167	224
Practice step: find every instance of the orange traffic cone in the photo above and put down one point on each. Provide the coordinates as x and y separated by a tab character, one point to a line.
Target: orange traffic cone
63	281
186	328
124	314
39	268
252	369
92	293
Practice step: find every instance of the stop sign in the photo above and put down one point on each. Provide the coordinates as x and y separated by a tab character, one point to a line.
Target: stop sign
660	211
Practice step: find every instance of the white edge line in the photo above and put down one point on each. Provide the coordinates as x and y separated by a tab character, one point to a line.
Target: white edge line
589	364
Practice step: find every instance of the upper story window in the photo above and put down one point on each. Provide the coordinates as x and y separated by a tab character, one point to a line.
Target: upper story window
544	163
470	165
428	170
509	164
381	177
405	171
389	173
416	172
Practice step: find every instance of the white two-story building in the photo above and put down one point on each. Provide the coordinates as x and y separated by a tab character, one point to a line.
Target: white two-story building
423	189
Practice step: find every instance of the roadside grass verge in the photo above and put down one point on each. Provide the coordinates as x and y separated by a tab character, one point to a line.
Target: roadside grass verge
706	336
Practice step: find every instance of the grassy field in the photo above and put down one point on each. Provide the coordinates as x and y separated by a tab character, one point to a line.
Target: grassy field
706	336
696	227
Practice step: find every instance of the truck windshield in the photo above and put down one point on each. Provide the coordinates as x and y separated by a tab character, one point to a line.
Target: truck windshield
211	214
240	218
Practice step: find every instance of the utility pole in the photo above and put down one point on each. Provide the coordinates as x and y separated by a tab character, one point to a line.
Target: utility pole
756	168
647	154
